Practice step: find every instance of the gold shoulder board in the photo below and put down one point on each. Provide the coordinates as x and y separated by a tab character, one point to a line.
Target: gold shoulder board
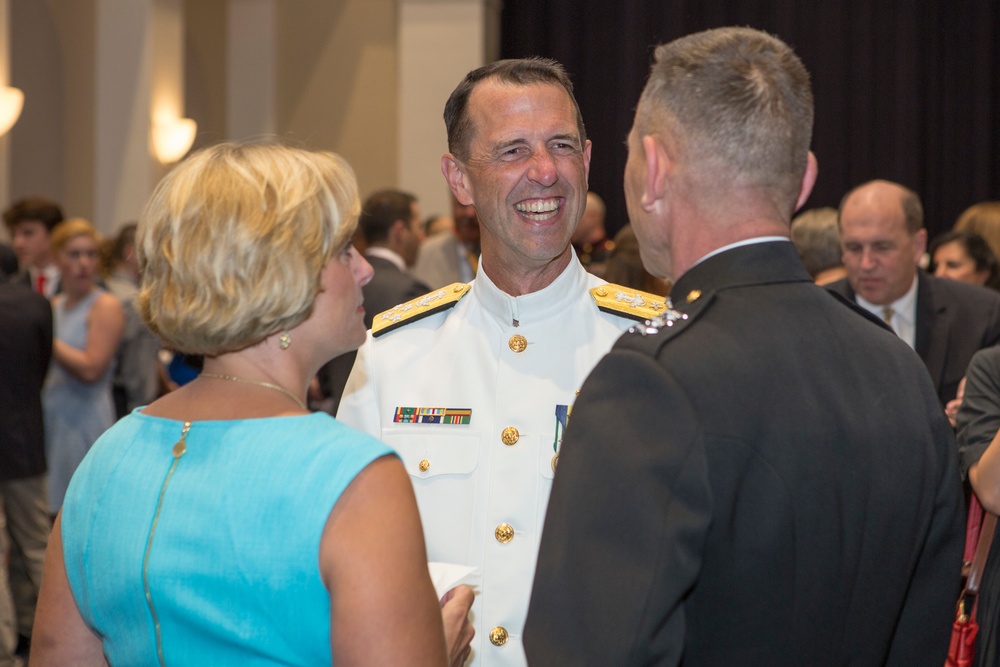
628	302
411	311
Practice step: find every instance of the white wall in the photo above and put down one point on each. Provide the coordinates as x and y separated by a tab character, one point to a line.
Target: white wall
365	78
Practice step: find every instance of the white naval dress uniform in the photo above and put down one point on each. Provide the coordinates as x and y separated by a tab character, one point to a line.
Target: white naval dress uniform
482	487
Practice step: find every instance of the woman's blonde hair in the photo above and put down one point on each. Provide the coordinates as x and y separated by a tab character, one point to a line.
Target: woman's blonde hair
70	229
232	243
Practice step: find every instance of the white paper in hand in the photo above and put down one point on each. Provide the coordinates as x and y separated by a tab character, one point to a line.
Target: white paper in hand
445	576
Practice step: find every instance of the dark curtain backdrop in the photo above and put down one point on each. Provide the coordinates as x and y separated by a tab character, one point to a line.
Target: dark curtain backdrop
905	90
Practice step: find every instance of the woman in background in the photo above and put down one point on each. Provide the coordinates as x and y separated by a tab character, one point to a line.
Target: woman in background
89	323
983	219
224	524
979	456
140	373
964	256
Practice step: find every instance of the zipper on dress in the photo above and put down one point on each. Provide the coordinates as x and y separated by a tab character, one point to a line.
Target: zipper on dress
180	447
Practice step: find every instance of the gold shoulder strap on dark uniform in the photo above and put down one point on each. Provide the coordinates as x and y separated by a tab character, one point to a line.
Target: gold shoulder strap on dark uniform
419	308
627	302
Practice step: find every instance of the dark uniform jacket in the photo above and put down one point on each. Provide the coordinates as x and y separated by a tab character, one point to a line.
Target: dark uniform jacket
770	481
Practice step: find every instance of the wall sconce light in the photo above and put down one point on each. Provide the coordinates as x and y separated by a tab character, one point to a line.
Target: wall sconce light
11	102
172	139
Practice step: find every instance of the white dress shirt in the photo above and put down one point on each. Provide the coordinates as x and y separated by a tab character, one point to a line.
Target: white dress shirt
904	313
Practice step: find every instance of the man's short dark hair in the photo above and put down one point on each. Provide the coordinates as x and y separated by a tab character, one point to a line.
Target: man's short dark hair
381	210
41	209
518	72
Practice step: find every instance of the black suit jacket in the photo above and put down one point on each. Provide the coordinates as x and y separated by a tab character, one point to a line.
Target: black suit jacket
954	321
389	287
770	481
8	261
25	352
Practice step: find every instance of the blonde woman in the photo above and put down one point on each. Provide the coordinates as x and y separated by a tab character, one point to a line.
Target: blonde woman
224	523
89	323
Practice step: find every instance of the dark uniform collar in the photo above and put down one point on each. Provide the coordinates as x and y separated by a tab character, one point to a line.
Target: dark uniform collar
753	264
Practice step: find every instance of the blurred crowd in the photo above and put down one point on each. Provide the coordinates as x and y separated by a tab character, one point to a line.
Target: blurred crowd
93	359
80	355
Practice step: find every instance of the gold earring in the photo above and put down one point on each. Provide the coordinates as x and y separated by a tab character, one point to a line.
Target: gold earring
284	340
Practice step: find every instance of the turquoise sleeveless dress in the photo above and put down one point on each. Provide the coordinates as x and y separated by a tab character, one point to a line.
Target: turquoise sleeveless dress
76	412
232	574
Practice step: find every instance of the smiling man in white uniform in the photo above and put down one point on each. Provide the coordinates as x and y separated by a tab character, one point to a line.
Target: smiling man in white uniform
473	384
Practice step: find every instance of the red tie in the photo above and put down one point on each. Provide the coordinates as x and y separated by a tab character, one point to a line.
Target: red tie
40	284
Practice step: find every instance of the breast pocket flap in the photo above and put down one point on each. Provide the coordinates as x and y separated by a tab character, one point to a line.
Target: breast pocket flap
430	454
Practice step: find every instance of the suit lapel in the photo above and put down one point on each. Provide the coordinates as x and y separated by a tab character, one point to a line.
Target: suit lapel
931	336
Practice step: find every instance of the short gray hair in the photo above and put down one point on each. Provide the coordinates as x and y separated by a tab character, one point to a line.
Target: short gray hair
739	103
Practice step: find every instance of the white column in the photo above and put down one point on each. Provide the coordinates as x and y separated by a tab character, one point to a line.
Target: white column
250	68
440	41
139	76
166	67
4	81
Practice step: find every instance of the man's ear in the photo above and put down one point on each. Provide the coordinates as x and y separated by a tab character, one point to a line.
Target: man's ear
454	174
808	180
658	167
920	243
396	232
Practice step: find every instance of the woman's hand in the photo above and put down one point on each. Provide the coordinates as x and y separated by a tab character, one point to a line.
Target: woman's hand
458	631
951	409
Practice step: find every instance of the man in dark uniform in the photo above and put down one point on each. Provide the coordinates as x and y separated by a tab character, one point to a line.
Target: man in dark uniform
764	476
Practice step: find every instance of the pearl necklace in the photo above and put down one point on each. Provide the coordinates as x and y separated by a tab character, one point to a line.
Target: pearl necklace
268	385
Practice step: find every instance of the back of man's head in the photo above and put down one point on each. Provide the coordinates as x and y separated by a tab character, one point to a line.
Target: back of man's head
381	211
38	209
738	104
517	72
815	235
